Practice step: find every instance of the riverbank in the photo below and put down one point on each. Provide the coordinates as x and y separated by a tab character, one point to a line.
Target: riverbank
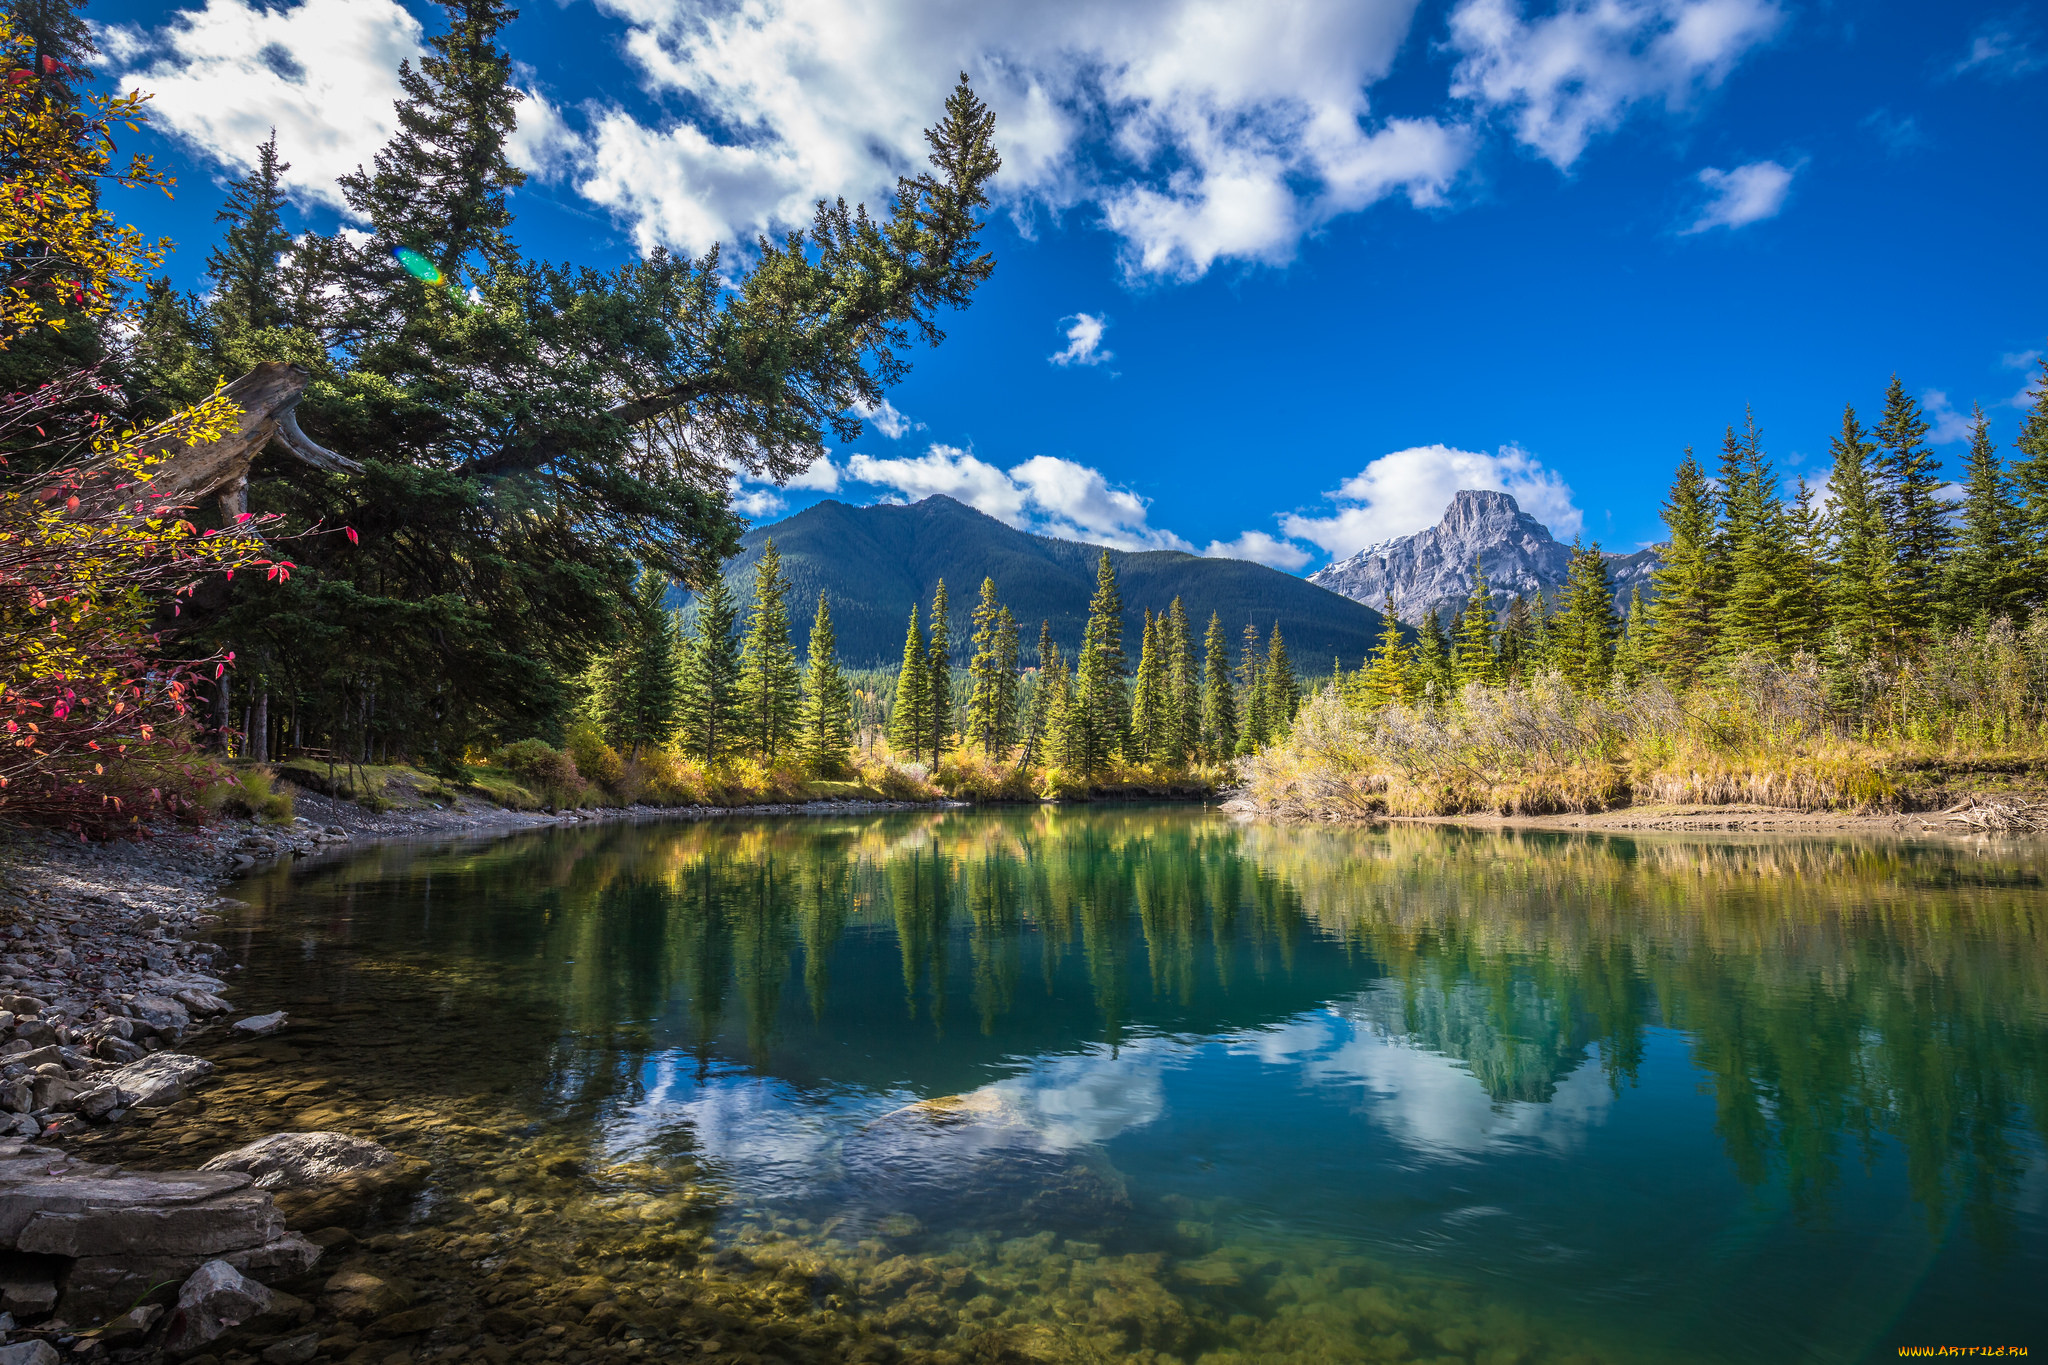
1973	818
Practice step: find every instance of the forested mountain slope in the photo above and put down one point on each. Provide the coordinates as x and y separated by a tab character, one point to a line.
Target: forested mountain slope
873	563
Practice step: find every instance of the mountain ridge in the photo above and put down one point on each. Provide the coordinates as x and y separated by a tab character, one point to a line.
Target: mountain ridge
873	563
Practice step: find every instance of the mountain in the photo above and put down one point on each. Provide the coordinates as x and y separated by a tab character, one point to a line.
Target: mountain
873	563
1431	571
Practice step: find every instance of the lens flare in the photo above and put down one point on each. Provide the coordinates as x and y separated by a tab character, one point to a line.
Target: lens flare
420	266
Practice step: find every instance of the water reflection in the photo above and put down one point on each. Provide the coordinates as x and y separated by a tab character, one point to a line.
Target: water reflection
1588	1073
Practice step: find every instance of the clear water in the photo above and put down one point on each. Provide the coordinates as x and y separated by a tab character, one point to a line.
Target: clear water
1147	1083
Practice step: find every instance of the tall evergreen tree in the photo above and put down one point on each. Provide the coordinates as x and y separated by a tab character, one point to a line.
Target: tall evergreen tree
1586	628
1219	701
1688	579
1068	746
1477	657
1515	631
60	35
1752	615
640	688
1986	577
711	674
1281	685
910	728
247	266
1099	691
1149	713
1542	647
1185	689
938	675
1389	680
1256	731
1435	680
1909	481
771	689
992	676
2030	486
1632	652
1035	726
1861	583
825	724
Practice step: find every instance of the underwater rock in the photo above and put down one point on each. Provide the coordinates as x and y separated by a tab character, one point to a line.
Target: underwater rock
291	1161
160	1079
213	1302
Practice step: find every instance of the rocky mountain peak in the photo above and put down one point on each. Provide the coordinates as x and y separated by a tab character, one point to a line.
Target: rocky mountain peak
1431	571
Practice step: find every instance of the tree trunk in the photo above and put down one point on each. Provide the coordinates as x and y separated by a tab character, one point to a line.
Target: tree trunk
259	727
266	396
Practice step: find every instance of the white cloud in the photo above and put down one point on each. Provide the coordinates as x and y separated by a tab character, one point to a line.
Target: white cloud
821	477
543	143
1198	129
1998	52
324	73
1575	73
1403	492
2028	361
887	420
1044	495
1260	548
1084	341
756	502
1745	195
1946	426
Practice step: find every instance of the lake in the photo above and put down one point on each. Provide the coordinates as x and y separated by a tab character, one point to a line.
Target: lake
1148	1083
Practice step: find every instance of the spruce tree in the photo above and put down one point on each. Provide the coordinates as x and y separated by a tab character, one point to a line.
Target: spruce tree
1752	614
1251	694
1542	647
1035	726
938	675
1986	577
1476	657
825	725
1149	714
1434	678
1389	680
59	34
2030	486
1680	640
246	268
1586	629
1281	685
1861	583
1909	481
910	718
1099	691
1185	689
1219	701
711	670
1515	631
640	692
1632	654
770	688
1067	742
991	686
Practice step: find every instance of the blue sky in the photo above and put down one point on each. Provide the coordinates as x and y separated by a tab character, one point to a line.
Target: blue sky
1274	279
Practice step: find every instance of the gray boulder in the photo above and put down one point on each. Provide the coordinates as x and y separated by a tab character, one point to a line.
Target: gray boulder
216	1300
161	1013
294	1161
261	1025
30	1353
99	1285
159	1079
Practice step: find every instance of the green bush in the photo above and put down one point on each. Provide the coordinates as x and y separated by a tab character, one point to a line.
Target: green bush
252	792
549	772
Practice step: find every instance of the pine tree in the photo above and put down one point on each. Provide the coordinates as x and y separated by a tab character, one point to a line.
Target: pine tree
1390	678
1067	743
1632	654
938	675
1476	657
1251	696
711	671
1515	631
246	268
1680	639
1035	727
1861	585
1986	578
992	675
1753	610
1282	687
1149	714
1099	691
1219	701
2030	486
60	35
440	184
640	690
910	719
1185	689
1909	482
1542	647
1586	628
1434	679
770	689
825	724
